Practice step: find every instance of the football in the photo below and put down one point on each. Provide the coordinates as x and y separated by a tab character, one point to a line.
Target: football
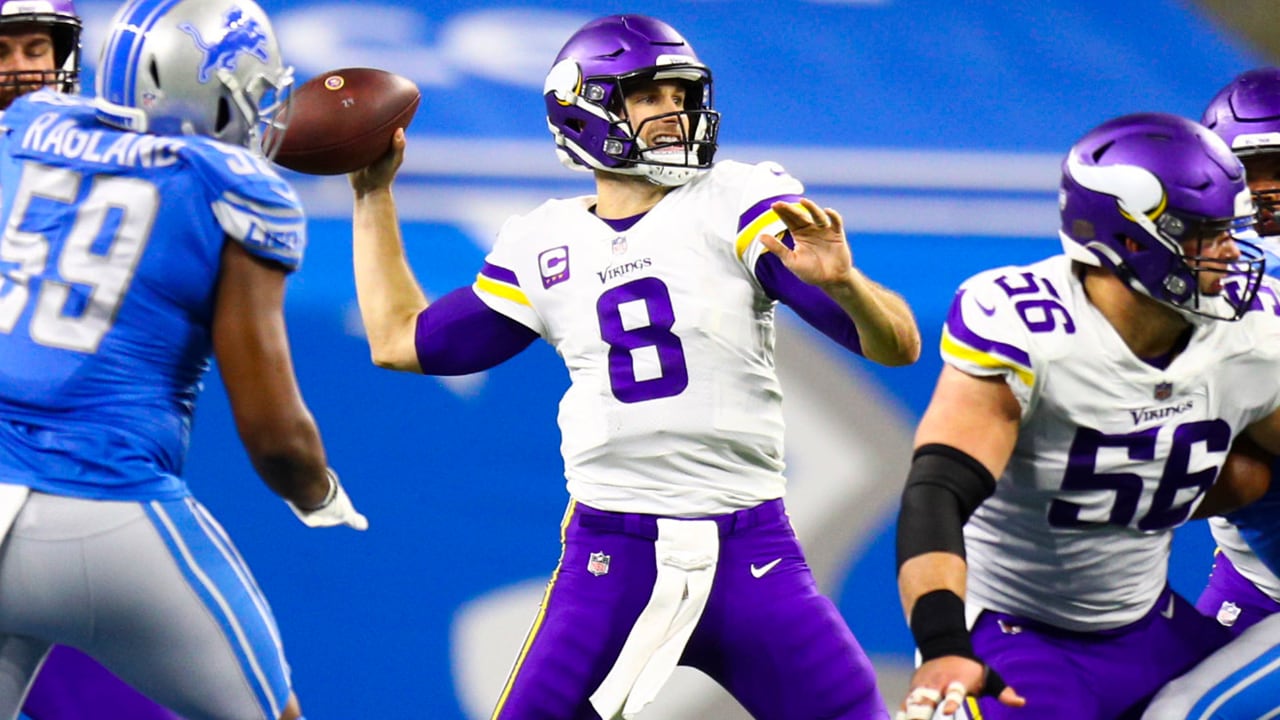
343	120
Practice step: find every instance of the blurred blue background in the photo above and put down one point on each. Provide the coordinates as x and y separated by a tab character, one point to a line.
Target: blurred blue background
936	128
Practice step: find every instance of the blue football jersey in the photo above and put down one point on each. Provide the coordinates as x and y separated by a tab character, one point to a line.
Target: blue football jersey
1259	525
108	271
1259	522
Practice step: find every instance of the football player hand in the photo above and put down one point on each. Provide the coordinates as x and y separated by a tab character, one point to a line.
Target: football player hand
945	682
821	255
382	172
336	509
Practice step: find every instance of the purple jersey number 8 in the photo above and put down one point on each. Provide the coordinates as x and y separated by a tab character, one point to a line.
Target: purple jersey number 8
624	340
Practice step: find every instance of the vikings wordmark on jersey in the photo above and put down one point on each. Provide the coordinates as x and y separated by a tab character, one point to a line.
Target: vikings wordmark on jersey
674	407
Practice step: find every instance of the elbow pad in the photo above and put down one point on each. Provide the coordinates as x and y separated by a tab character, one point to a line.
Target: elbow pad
944	487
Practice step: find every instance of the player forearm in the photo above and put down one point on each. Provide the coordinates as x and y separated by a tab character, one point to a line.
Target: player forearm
932	588
886	327
944	487
389	296
930	531
291	462
927	573
305	490
1244	478
251	344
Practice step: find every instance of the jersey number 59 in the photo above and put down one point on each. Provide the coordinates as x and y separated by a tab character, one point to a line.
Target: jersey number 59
103	265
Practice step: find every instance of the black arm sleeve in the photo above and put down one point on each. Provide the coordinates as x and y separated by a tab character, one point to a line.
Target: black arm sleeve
944	487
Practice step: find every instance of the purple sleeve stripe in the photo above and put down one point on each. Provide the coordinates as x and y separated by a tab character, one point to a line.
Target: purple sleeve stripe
811	304
962	333
761	208
500	274
459	335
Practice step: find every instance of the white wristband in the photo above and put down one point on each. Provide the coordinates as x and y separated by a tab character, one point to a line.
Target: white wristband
336	509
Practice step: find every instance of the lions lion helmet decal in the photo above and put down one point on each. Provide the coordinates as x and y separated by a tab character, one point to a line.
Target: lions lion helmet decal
241	34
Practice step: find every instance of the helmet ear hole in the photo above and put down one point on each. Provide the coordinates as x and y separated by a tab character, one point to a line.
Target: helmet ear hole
223	117
154	69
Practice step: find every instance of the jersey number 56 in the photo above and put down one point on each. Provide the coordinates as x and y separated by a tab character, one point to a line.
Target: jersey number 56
1084	474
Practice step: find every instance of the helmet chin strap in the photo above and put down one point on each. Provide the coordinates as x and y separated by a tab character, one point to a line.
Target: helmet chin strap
654	167
668	176
1088	255
574	157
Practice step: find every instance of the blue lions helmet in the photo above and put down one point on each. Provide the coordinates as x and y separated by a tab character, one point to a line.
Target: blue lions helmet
193	67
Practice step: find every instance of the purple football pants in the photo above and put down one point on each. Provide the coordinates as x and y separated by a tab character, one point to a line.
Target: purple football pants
1109	675
72	686
767	635
1232	600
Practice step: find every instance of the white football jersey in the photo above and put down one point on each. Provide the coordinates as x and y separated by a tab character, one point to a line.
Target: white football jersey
674	406
1237	550
1112	453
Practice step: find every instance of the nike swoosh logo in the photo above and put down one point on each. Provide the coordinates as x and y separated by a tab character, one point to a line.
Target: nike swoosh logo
986	310
758	572
1167	613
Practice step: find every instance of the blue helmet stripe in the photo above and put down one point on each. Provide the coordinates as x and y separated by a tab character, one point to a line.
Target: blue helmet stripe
121	57
114	87
111	82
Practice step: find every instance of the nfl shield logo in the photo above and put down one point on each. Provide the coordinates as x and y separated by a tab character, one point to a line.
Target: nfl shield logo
1228	614
620	245
1164	390
598	564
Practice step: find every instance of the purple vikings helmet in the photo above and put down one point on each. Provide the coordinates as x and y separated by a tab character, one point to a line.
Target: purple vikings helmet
1160	180
584	93
1246	114
59	17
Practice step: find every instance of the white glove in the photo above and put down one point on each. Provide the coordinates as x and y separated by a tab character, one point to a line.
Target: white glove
335	510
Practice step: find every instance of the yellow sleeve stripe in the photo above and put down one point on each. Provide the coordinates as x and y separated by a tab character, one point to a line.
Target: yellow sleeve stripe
960	351
502	290
753	230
